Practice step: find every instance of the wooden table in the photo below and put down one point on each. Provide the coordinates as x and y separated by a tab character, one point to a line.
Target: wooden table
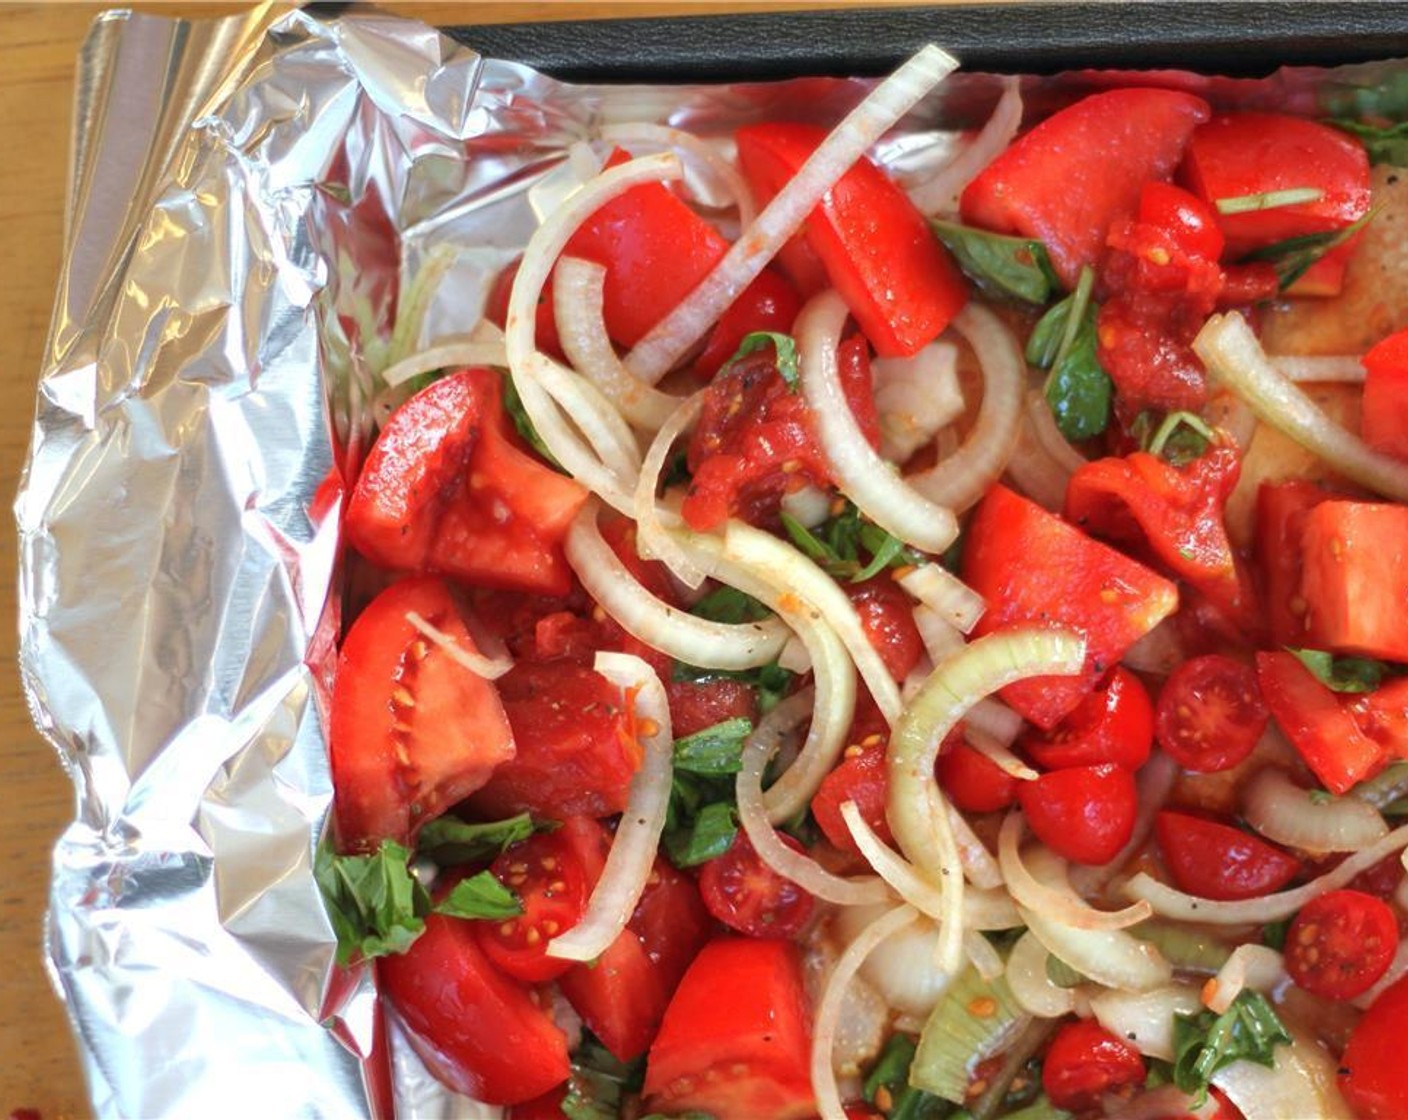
38	47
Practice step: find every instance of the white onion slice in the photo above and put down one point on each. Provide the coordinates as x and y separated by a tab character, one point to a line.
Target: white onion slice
1232	354
1032	471
915	398
695	641
963	477
1031	984
794	578
979	866
945	594
983	955
721	173
828	1011
916	807
632	853
1043	426
939	194
857	469
490	668
1174	903
672	337
579	289
1302	1084
587	410
1284	812
652	538
1258	967
1047	892
444	355
1329	367
998	754
995	719
940	637
1145	1019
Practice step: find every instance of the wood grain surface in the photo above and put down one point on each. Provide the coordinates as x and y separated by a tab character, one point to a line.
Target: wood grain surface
38	46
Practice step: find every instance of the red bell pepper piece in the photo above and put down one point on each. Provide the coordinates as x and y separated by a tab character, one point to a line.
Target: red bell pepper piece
1355	578
1281	510
1385	424
877	249
1172	514
1069	179
1035	569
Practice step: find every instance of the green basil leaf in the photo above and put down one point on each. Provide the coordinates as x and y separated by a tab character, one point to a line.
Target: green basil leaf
783	344
1342	674
513	405
375	904
728	604
600	1083
838	543
1065	342
1179	438
1010	266
451	840
771	681
1386	143
1204	1043
714	750
1293	257
480	896
709	835
1273	934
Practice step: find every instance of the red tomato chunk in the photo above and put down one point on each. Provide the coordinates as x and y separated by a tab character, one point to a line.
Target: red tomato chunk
1355	578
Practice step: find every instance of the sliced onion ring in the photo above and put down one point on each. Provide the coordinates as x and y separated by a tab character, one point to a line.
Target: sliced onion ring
1258	967
490	668
693	149
939	194
652	537
443	356
1031	984
944	594
1284	812
632	853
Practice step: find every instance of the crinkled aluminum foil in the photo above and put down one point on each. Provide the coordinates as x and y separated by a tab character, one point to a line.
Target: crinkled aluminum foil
247	195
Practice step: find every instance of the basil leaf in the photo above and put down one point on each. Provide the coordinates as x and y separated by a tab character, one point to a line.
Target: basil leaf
1204	1043
714	750
451	840
887	1085
783	344
600	1083
375	904
480	896
709	835
771	681
1179	438
728	604
838	543
1293	257
1273	934
1382	143
1342	674
1010	266
1064	341
513	405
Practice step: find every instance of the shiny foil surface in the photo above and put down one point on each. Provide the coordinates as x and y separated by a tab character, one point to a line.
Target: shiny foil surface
247	199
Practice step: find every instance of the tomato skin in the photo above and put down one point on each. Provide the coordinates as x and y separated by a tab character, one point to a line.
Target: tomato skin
887	616
478	1031
1115	723
1281	510
769	303
861	777
1354	578
1213	860
577	750
1085	813
1385	422
695	705
392	766
1210	714
743	1056
1085	1062
1341	943
1076	173
1079	583
877	249
973	781
1318	724
544	318
747	895
1373	1075
1239	154
445	488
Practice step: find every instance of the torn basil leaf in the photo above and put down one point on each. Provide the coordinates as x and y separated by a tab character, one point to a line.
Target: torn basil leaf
1342	674
728	604
1064	342
449	839
513	405
1011	266
839	543
1204	1043
1387	143
783	344
480	896
375	904
714	750
702	835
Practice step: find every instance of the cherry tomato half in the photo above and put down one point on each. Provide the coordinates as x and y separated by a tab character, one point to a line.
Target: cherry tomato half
1085	1062
1341	943
1215	860
1210	714
747	895
1085	814
974	782
1115	723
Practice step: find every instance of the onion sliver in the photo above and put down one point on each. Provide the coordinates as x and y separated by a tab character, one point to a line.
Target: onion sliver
654	542
939	194
1043	425
998	754
994	718
873	484
793	577
578	292
828	1012
983	955
945	594
1302	1083
726	177
1146	1018
796	866
632	853
979	866
916	808
1049	894
695	641
760	241
1335	367
586	409
490	668
915	398
940	637
444	355
962	478
1258	967
1284	812
1233	356
1174	903
1031	984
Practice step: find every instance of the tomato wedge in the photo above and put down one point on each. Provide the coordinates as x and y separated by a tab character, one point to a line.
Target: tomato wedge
1079	171
1373	1075
887	616
769	303
446	489
743	1055
393	766
877	249
1341	943
1115	723
1354	578
1077	582
577	750
478	1031
1213	860
1281	510
1385	424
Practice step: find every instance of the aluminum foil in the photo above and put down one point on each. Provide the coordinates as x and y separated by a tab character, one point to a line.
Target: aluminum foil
248	199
